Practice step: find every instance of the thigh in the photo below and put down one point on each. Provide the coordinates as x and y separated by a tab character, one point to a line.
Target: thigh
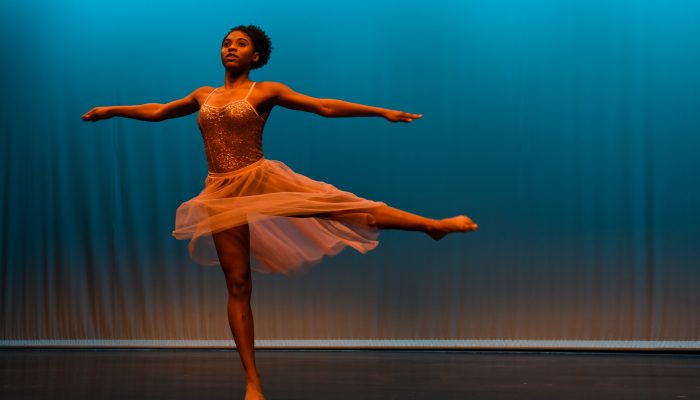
233	249
340	214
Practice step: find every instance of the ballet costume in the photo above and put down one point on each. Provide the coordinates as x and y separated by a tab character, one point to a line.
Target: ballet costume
243	187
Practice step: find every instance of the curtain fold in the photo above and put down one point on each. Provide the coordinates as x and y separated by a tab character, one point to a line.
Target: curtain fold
567	130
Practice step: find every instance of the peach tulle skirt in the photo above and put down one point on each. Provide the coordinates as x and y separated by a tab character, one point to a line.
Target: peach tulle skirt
271	198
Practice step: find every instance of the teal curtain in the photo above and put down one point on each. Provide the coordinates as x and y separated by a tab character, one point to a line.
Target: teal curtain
568	130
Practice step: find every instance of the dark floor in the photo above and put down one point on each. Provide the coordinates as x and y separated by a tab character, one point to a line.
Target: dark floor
358	375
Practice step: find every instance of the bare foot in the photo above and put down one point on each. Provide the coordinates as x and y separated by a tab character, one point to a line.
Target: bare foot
460	223
253	391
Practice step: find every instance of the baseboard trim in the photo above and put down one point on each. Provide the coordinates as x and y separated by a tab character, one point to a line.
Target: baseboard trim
584	345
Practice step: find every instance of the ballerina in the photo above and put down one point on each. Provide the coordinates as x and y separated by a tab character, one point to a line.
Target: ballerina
256	213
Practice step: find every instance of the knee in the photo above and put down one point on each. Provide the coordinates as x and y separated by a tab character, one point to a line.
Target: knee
239	286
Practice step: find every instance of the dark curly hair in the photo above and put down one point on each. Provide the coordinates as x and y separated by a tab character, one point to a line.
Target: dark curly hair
261	43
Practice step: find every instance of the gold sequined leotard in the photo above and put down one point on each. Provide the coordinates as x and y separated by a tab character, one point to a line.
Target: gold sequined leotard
245	188
232	133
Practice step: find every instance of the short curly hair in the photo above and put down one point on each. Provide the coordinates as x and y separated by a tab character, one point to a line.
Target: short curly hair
261	42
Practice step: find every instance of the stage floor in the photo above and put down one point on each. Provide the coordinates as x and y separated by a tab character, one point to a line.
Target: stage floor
176	374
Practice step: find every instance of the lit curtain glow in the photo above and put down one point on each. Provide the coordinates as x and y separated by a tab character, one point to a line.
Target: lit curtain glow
568	130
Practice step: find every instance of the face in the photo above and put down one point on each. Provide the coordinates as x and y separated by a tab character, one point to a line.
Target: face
237	51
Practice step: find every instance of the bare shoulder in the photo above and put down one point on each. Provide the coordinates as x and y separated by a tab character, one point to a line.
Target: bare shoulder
280	94
201	93
272	88
184	106
205	89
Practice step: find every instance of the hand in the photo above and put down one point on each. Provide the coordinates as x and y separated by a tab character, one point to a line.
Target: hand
97	114
398	116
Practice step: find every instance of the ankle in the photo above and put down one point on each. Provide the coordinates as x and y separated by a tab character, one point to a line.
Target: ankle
252	392
433	226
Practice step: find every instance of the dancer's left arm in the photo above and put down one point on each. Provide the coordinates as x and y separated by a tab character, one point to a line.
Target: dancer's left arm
340	108
333	108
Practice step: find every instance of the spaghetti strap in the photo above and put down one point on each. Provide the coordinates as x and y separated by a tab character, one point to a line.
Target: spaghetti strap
249	90
207	98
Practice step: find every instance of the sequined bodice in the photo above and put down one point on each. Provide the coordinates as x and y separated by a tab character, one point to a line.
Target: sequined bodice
232	134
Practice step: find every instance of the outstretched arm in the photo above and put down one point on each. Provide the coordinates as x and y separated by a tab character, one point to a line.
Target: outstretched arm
150	111
333	108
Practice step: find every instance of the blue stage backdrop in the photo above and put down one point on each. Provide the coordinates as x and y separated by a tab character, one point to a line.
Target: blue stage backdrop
568	130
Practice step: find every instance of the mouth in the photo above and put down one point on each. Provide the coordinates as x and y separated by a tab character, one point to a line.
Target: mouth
231	58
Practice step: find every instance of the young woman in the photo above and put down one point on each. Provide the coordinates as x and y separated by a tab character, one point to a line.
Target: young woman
255	206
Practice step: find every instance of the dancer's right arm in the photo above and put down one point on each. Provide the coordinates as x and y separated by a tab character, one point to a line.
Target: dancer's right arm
151	111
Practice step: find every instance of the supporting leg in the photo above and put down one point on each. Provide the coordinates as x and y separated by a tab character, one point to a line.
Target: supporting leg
233	248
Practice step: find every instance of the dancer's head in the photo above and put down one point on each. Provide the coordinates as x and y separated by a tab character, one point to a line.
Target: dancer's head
250	43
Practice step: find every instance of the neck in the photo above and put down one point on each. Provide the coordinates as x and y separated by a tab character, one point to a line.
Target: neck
234	79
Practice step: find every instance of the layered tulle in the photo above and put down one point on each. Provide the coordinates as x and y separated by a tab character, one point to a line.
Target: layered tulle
273	200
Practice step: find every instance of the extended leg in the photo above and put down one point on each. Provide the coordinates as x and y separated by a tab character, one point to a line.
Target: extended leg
233	248
388	217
